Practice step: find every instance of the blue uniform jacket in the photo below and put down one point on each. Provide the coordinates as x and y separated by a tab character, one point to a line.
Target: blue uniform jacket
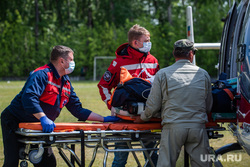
44	91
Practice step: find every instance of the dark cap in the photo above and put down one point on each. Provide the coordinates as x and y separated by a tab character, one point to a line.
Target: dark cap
184	44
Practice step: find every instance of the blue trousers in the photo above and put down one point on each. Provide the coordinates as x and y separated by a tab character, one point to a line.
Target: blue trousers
120	159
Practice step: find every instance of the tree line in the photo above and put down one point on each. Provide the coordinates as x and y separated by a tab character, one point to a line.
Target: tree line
30	28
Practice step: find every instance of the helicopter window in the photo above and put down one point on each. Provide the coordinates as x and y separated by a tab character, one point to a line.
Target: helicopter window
226	40
243	31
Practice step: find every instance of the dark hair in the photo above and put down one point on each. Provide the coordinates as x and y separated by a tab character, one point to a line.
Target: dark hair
60	51
181	53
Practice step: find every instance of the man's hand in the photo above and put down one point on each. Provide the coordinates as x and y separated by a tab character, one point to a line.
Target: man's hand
111	119
47	124
138	120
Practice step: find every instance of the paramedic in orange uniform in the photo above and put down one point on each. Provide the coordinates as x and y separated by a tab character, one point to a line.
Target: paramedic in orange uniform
182	93
46	91
136	58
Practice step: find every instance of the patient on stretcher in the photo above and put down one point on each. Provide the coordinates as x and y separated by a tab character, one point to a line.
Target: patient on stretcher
129	97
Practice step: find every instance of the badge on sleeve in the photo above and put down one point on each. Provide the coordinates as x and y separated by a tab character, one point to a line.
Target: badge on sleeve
107	76
114	63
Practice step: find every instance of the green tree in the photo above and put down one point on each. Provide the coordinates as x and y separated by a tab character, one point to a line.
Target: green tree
97	27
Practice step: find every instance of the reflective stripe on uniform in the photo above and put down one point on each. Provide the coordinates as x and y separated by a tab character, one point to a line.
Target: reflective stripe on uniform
106	93
66	89
52	83
58	86
140	66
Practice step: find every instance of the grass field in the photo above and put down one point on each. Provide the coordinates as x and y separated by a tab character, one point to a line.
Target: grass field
89	96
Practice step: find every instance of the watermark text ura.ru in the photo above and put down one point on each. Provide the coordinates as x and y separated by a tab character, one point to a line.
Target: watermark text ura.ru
224	158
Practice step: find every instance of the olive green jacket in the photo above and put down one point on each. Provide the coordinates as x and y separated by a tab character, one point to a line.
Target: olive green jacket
181	93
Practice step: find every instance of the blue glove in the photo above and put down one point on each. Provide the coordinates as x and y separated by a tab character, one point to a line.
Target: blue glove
111	119
47	124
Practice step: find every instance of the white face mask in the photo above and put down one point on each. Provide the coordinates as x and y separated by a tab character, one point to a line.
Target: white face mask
146	47
71	68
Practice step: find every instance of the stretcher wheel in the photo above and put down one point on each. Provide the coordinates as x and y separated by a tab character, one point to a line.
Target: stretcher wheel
23	164
33	158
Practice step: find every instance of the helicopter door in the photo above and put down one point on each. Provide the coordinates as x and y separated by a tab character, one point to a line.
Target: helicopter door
241	10
244	69
226	41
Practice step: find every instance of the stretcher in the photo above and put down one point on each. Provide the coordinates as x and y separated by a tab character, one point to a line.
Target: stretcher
93	135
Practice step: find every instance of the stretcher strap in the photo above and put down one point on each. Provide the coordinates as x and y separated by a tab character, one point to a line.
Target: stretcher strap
230	94
132	118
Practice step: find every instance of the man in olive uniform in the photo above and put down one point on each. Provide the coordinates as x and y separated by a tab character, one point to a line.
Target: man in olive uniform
182	93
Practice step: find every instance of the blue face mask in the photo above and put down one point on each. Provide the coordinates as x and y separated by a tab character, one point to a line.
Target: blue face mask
71	67
146	47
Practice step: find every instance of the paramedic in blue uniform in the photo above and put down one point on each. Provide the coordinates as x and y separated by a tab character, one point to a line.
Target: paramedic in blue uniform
46	91
182	94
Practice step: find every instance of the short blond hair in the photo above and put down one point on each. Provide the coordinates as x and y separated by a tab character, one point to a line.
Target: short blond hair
136	32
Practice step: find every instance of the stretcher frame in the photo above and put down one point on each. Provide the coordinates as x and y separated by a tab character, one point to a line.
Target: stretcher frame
105	139
104	136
